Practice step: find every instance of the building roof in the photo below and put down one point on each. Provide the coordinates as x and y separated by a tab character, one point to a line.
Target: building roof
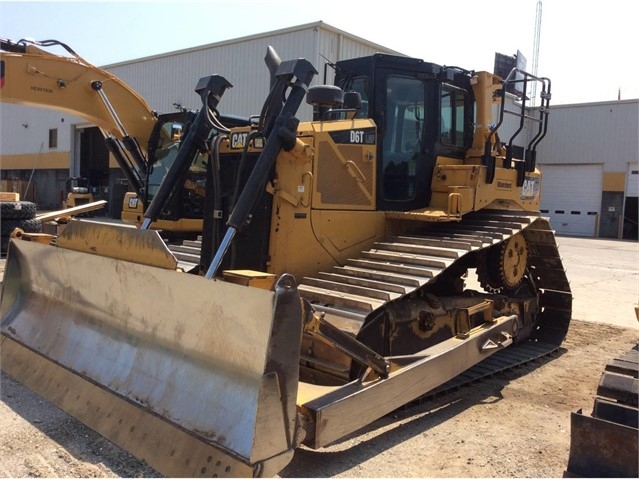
307	26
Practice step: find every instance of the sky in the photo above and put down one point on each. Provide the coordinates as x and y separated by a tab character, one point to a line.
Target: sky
589	50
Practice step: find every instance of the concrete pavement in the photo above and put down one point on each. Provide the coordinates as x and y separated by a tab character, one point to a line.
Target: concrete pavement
604	278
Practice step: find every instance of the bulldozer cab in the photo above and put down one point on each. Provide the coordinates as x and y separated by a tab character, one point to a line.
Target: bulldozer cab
429	115
421	111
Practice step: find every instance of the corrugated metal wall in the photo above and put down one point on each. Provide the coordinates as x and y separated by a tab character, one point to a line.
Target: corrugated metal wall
165	80
168	79
605	132
334	45
16	138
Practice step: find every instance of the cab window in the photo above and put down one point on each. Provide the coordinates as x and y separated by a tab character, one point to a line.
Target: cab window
360	85
402	140
453	116
165	155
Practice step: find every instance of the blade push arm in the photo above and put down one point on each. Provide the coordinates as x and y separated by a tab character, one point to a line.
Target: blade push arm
280	130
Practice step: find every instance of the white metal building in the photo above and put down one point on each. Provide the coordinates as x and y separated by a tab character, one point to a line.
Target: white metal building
164	80
590	164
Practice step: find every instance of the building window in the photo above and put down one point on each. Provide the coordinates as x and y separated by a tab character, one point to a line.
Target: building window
53	138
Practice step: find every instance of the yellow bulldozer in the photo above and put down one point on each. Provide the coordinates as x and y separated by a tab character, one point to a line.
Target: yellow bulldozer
330	286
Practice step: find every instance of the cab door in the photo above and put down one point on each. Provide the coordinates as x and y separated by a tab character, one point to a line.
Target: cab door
405	156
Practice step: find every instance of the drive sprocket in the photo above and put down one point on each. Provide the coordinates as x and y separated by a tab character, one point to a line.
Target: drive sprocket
504	265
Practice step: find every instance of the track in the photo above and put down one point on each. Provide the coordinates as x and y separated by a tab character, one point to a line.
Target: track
399	266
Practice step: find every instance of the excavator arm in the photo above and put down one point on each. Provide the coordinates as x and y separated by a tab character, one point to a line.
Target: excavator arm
32	76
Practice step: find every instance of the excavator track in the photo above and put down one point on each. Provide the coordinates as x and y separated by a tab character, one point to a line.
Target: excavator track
400	266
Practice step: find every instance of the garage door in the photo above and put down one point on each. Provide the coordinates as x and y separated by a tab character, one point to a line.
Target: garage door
571	197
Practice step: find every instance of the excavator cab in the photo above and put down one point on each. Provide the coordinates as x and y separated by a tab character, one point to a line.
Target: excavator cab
182	215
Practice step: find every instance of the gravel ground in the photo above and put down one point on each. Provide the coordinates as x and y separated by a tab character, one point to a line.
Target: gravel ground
516	424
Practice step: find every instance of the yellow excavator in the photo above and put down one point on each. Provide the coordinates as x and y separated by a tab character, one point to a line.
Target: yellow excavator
142	142
331	285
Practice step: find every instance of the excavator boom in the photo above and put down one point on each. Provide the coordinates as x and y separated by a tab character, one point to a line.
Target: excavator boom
35	77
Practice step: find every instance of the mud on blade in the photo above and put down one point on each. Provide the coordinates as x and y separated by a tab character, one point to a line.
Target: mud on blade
196	377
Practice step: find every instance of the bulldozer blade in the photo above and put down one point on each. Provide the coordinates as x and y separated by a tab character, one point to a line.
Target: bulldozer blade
197	377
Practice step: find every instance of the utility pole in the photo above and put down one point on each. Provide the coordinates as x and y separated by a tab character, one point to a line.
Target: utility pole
535	59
